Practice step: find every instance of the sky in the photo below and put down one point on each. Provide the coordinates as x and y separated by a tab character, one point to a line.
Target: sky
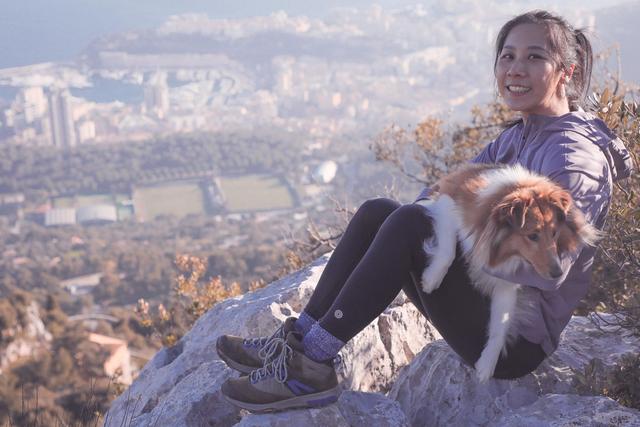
34	31
43	30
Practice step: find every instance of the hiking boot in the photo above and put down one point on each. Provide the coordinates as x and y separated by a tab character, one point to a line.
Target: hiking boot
248	354
290	380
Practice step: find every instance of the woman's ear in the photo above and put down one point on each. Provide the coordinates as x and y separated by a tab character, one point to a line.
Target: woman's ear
567	74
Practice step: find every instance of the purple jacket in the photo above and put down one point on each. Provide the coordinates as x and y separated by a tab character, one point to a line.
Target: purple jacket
582	155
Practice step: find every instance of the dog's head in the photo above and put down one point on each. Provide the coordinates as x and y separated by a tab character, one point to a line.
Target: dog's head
539	223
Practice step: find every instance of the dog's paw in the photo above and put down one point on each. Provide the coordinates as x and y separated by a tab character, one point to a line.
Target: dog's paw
433	275
484	369
431	280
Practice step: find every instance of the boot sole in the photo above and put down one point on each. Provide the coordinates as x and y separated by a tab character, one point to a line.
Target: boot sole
243	369
314	400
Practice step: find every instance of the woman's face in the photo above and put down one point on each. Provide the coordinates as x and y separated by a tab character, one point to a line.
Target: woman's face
528	79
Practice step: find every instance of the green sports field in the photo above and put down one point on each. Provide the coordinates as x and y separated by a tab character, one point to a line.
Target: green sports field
255	193
171	198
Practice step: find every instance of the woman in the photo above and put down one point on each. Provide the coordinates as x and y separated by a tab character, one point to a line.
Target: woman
542	68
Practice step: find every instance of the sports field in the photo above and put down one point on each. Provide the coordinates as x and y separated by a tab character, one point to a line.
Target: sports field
177	198
246	193
255	193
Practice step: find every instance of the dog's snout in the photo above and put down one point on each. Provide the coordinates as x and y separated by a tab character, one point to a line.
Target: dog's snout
555	271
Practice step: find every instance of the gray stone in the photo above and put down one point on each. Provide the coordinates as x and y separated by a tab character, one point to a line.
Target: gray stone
353	409
439	389
572	410
28	338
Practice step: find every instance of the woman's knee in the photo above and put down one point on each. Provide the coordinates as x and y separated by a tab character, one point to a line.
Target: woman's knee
413	218
375	211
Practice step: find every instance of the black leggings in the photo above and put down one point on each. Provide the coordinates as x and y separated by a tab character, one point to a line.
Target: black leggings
380	253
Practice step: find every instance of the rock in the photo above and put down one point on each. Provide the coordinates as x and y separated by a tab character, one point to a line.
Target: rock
32	338
372	359
180	385
190	399
437	388
572	410
353	409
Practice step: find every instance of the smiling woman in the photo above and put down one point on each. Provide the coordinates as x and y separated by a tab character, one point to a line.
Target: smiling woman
528	78
542	66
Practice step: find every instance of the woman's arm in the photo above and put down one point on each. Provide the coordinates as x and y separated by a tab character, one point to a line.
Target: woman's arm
526	275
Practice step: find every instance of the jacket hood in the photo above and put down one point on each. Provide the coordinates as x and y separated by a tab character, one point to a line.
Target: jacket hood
595	130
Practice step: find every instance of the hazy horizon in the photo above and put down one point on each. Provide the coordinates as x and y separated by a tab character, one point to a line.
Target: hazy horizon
34	31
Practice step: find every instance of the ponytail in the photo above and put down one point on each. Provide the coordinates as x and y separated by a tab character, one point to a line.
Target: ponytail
584	57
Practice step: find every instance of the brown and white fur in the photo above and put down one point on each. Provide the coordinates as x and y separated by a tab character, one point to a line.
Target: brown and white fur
503	216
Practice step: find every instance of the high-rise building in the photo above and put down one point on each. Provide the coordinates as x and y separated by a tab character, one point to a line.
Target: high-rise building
86	131
156	95
63	133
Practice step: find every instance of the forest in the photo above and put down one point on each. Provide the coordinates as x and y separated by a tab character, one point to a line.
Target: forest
42	172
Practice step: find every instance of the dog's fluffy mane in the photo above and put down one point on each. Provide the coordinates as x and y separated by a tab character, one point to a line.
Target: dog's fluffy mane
480	206
482	233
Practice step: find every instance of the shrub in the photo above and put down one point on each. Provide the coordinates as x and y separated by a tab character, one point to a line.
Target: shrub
193	295
617	266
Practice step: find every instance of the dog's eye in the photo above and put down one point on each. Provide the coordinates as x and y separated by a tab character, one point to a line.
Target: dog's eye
533	237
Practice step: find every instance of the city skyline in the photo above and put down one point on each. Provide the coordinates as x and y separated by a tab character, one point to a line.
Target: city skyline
351	72
36	31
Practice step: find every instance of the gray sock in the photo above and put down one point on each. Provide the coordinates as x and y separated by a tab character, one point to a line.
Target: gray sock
304	323
320	345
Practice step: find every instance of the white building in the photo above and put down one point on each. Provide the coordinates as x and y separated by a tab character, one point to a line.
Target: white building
60	216
34	103
81	285
325	172
118	364
97	214
86	131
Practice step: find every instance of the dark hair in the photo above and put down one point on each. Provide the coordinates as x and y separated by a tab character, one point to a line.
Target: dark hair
568	46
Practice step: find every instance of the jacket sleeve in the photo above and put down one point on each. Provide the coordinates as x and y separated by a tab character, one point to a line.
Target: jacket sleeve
590	190
488	153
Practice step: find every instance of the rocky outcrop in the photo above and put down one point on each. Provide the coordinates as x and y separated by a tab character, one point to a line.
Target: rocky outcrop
353	409
399	354
180	386
28	339
571	410
438	379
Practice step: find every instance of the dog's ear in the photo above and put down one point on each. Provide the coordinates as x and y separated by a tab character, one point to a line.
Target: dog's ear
577	223
513	210
562	202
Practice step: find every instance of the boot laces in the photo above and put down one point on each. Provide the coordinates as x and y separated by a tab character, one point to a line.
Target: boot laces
277	368
264	342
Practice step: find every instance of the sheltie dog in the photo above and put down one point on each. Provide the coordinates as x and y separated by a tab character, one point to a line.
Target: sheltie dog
503	216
